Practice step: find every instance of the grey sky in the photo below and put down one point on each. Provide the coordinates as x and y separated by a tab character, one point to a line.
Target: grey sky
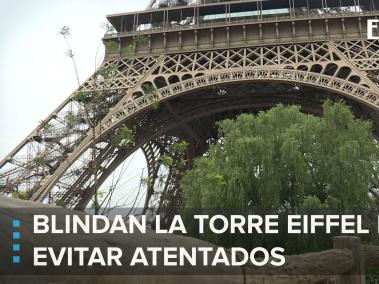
35	74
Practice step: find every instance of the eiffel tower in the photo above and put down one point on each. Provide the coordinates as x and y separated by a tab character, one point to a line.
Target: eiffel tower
180	66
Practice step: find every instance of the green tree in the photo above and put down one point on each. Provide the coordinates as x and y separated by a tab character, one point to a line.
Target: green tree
285	159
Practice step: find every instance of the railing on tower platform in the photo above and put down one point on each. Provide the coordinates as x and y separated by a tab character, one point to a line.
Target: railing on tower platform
185	14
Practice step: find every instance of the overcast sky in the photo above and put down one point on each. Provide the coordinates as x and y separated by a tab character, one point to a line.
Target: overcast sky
35	74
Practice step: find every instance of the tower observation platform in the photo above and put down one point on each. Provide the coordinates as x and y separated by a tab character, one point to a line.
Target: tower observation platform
188	26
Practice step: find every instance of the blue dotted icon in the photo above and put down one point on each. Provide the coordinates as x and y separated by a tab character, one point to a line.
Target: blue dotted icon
16	235
16	259
16	247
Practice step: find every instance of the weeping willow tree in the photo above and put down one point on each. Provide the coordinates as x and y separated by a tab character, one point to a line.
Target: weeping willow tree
283	159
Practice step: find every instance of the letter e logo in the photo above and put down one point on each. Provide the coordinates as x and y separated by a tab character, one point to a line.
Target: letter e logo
371	26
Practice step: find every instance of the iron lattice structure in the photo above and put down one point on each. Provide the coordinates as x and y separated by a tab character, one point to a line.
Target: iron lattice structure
200	62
